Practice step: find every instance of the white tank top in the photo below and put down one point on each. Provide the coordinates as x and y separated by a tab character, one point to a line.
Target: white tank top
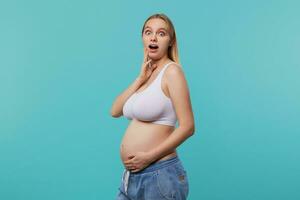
151	104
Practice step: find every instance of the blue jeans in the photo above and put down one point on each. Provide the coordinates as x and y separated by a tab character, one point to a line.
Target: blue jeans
165	179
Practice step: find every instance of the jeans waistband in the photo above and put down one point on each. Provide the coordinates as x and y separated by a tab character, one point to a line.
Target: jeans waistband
157	165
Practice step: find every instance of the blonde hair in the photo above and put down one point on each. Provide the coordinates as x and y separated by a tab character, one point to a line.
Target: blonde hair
173	49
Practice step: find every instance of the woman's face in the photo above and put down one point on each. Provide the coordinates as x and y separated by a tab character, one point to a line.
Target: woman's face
156	38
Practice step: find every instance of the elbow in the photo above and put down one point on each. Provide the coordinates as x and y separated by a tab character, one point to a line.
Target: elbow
189	129
115	114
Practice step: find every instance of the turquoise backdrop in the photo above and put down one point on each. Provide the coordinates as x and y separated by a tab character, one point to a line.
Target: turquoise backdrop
64	62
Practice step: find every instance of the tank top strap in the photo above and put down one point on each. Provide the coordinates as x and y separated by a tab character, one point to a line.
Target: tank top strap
164	68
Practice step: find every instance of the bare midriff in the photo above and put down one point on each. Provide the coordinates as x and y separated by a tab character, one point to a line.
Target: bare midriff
144	136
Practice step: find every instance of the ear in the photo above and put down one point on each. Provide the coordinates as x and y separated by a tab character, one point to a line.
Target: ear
171	43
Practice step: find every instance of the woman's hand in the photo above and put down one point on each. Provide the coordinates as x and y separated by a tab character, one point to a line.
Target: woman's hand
138	161
147	67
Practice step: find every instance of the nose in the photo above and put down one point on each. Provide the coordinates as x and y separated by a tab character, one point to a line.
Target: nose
153	37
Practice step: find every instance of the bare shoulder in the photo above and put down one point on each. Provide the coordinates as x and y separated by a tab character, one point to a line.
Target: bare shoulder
174	68
174	72
176	81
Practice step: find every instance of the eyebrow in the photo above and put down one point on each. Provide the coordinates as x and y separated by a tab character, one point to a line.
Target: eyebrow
158	29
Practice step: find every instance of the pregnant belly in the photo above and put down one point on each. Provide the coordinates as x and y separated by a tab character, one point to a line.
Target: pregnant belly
142	136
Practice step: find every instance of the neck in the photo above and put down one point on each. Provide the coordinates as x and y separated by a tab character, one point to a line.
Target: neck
160	62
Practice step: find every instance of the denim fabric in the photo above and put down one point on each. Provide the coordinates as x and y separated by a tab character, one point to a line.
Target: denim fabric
166	179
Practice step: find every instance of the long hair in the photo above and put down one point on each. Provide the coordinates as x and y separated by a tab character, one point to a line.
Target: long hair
173	49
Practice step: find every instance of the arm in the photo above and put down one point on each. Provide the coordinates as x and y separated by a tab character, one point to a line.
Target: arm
117	107
179	94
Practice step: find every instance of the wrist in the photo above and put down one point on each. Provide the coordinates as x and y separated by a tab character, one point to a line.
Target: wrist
152	156
139	80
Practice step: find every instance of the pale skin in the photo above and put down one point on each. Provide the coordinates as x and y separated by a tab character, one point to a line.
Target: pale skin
174	86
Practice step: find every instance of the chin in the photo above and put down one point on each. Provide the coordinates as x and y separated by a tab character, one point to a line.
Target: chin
155	56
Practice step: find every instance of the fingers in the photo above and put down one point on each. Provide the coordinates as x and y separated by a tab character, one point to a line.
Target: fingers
126	162
138	168
146	63
130	156
131	166
145	54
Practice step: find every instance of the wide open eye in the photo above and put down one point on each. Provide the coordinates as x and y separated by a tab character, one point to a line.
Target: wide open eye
147	32
162	33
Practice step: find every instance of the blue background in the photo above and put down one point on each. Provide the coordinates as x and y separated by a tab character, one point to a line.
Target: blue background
64	62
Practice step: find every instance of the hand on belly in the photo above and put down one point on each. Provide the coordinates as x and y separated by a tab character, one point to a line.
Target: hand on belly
129	150
137	161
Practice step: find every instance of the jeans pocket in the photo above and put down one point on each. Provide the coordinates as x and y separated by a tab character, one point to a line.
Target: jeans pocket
182	179
166	183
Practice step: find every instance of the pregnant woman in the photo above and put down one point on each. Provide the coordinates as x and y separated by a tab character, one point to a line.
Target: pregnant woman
154	102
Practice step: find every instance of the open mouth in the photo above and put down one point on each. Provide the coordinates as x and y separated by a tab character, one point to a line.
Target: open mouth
153	46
